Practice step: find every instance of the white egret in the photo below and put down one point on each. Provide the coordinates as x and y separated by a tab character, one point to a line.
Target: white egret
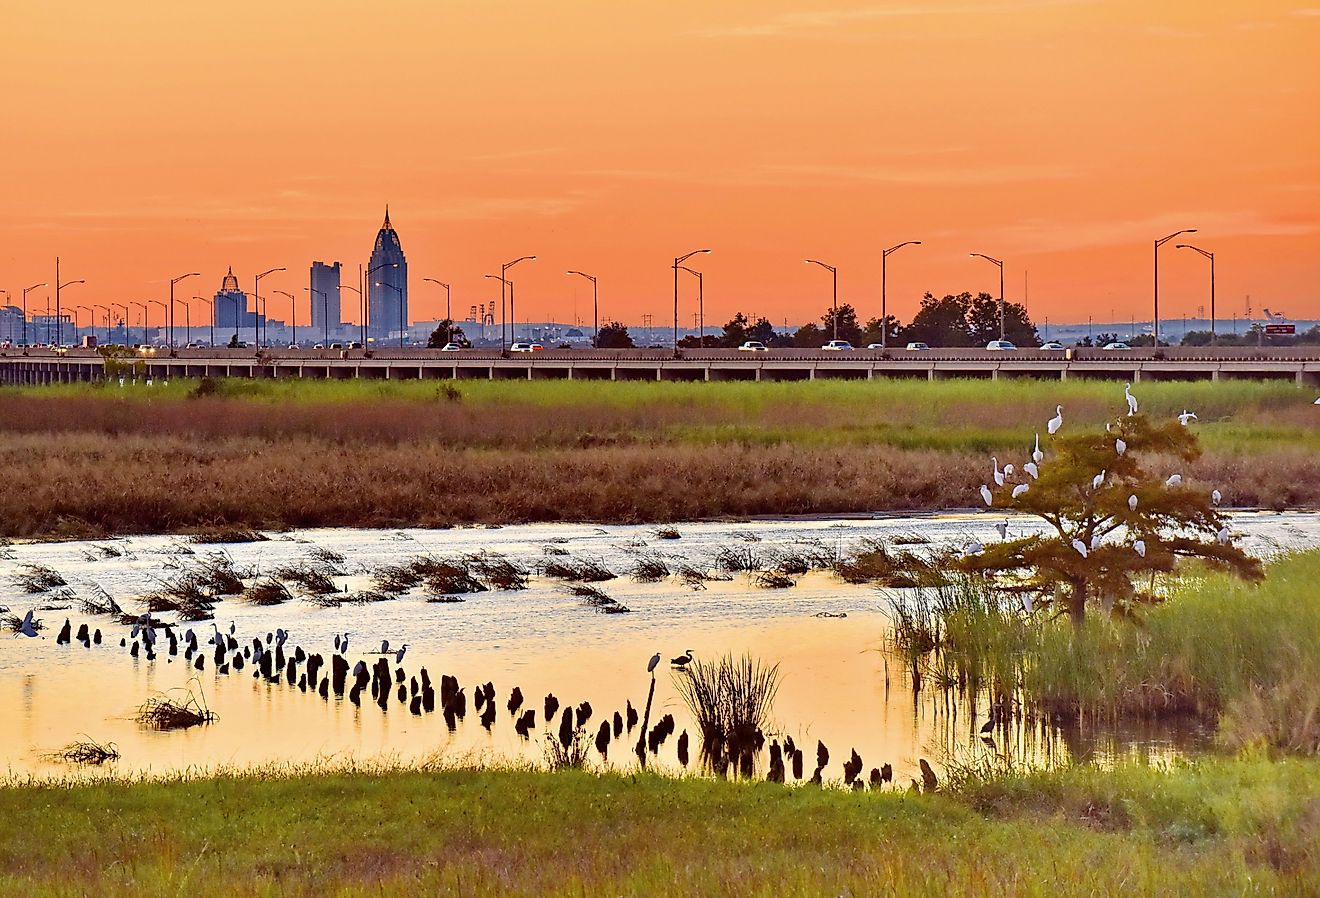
1186	417
1140	547
1095	542
1056	422
1020	489
999	475
1036	455
1174	480
1080	547
987	495
1317	402
1028	602
1120	446
1131	400
1132	503
1008	470
1098	480
1216	497
1223	536
1030	468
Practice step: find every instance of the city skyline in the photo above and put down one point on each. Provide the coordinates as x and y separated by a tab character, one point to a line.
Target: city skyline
1061	136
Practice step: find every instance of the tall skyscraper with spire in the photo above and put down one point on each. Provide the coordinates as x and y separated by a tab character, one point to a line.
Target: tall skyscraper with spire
387	286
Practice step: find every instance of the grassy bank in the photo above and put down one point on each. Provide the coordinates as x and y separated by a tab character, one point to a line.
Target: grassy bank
98	459
1227	827
1244	655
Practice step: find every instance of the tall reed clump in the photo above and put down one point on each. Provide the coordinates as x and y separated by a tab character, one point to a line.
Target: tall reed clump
1246	656
730	699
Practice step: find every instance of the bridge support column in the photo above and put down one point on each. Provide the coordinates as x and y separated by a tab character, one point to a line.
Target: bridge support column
1214	376
1136	376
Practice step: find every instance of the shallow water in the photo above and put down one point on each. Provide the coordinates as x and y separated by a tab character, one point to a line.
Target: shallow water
837	683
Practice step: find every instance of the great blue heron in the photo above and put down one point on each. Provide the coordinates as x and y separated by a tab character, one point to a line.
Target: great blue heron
398	656
682	660
27	627
655	660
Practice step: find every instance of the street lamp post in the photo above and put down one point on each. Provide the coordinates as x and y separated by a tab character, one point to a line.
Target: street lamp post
1214	341
325	314
884	309
256	297
210	312
1158	244
107	322
26	291
143	307
362	312
449	316
701	301
59	319
366	303
513	315
505	282
678	261
402	326
91	316
595	306
124	306
165	311
173	281
1000	265
293	312
835	273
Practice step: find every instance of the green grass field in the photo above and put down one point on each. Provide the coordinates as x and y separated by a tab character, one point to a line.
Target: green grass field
1246	826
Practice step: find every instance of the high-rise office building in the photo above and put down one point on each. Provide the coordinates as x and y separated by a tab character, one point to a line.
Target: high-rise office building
327	317
387	286
230	307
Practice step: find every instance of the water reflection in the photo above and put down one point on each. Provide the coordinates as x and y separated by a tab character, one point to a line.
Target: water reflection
838	687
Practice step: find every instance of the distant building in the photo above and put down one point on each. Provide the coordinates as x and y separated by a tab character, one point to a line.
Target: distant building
230	307
327	317
11	324
45	328
387	304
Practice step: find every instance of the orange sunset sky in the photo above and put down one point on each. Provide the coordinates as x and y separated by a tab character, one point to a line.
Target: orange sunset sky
144	140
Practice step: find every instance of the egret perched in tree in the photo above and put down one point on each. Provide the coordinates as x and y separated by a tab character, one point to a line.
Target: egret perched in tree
987	495
1119	446
1131	400
1036	455
1216	497
1174	480
1140	547
1056	422
1186	417
999	475
1080	547
1095	542
1020	489
1132	503
1098	481
1030	468
1028	602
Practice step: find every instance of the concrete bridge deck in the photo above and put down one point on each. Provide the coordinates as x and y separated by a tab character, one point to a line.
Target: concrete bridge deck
1300	365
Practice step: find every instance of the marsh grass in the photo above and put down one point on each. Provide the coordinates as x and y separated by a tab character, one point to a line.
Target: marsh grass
86	752
37	578
267	591
595	597
166	712
220	534
652	567
739	559
772	580
579	570
875	563
97	601
12	623
497	571
731	700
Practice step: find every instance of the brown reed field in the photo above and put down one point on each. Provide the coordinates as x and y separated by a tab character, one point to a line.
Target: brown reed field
91	460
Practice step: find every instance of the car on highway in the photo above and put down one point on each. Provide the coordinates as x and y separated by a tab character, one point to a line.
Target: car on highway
838	346
451	347
1116	345
526	347
1000	346
752	346
1053	346
918	347
876	346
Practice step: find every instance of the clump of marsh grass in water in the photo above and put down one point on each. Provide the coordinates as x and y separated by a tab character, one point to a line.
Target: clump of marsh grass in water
597	598
730	700
86	752
667	533
579	570
268	592
228	534
498	571
164	712
738	559
35	578
773	580
651	568
98	601
217	574
875	563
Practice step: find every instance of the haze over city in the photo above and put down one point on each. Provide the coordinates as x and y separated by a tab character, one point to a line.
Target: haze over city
1058	135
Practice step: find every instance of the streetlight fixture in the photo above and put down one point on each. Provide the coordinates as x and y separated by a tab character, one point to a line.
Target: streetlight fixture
1000	265
91	316
678	261
173	281
124	306
164	309
884	310
59	319
835	273
187	322
210	311
325	314
505	282
1211	256
449	330
513	315
26	291
595	305
107	322
402	323
362	310
701	303
143	307
256	297
293	311
1158	244
366	300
